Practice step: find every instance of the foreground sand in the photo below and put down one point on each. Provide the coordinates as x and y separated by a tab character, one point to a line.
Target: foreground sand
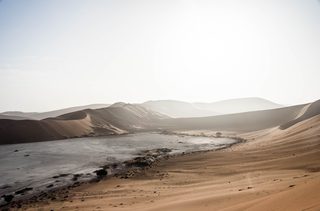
275	170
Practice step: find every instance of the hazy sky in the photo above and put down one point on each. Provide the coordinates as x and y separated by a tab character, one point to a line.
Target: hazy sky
61	53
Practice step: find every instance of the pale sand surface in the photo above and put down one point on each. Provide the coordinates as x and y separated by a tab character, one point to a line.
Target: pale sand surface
275	170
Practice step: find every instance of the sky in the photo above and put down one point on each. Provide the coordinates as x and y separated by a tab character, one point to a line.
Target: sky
56	54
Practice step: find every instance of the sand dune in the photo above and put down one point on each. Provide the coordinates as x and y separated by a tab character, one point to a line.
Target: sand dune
23	131
89	122
276	169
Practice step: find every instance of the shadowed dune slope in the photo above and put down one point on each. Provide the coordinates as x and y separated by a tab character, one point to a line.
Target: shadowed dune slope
22	131
12	131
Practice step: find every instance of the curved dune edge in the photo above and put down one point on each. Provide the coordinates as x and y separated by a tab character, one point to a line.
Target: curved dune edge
274	170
